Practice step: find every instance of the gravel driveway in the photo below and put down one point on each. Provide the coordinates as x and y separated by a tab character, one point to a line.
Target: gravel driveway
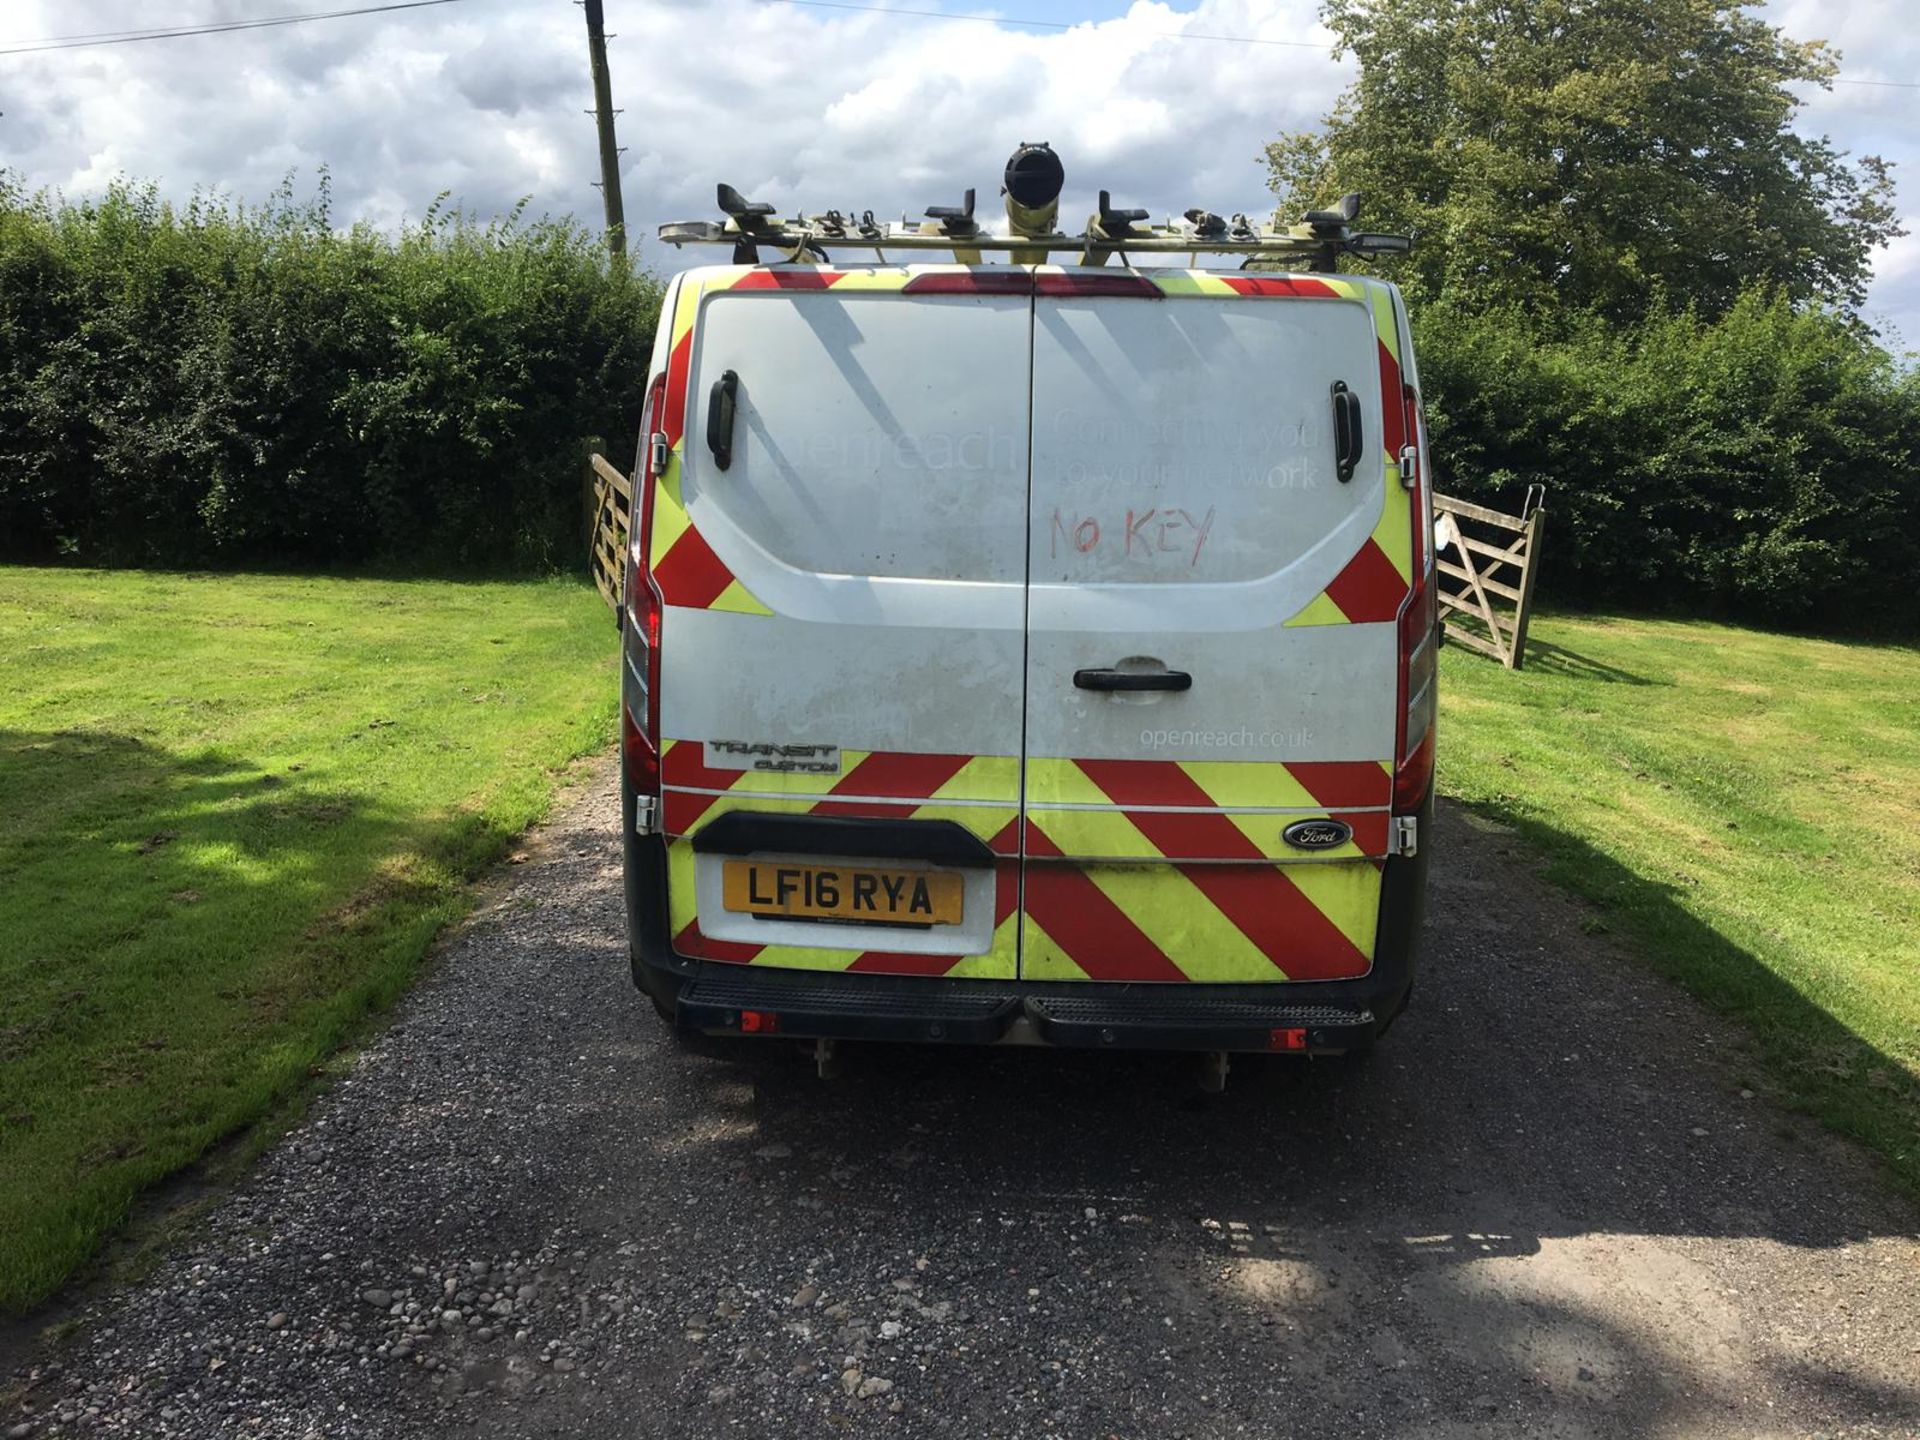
1546	1207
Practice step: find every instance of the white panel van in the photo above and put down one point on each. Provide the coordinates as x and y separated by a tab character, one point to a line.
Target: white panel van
1030	652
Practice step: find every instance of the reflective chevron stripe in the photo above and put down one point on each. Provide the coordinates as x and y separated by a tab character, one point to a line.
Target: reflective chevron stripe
1245	923
1373	584
1205	810
972	789
1210	906
1215	907
1001	962
980	793
688	572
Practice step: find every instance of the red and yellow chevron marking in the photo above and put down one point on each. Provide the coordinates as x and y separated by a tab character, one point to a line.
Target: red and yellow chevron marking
809	277
1217	908
1204	810
1373	585
1001	962
1246	923
683	563
1214	908
1181	283
978	792
689	573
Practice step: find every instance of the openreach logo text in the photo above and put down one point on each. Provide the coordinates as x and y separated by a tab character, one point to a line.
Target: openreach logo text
1241	739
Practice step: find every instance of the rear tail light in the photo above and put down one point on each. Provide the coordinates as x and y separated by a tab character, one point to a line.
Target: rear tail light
640	715
642	756
1419	639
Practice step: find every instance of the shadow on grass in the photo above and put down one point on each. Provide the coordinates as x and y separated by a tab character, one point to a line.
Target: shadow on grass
186	937
1558	660
1823	1066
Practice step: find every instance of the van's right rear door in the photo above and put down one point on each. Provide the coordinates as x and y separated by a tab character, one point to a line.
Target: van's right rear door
1212	668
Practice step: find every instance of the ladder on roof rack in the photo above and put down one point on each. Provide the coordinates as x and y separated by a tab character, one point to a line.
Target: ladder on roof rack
1320	237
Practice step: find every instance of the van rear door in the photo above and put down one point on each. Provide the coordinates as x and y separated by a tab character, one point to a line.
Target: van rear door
1211	674
843	562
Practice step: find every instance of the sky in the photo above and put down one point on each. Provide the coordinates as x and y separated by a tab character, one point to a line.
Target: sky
809	106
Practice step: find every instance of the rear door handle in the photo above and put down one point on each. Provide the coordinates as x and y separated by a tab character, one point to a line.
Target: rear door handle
1347	440
1132	680
720	406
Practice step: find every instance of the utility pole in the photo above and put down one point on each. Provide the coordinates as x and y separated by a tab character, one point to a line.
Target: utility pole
603	117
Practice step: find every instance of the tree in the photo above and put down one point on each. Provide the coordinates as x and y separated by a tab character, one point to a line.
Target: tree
1587	153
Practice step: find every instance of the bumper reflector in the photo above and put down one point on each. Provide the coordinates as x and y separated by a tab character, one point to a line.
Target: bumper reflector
1289	1039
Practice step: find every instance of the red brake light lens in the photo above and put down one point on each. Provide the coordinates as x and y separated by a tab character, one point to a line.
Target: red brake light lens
999	280
1116	284
641	757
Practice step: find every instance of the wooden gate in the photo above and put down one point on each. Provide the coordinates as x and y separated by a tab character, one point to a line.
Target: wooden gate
1494	559
612	519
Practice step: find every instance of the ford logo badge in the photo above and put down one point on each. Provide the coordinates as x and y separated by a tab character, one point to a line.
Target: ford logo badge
1317	834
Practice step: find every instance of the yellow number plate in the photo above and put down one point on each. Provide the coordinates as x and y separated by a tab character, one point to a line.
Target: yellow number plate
790	890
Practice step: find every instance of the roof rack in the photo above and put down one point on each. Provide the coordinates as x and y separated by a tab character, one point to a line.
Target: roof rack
1321	237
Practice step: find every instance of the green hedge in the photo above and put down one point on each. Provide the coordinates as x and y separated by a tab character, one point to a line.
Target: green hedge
212	385
216	385
1759	466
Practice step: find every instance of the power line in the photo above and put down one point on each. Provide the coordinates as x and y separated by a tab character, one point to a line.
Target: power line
222	27
1048	24
125	37
1159	34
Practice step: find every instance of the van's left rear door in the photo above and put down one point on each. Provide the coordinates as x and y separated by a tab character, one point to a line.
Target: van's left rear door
843	634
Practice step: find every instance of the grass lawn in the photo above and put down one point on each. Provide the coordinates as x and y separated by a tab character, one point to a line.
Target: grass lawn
237	810
1744	809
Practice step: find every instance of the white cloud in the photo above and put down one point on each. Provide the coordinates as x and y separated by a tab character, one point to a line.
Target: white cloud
803	107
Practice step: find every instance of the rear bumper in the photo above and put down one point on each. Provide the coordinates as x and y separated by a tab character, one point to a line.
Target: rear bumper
1322	1017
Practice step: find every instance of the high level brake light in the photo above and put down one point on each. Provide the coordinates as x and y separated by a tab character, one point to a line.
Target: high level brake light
978	281
1139	287
640	733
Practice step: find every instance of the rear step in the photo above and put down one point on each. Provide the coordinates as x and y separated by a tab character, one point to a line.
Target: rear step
810	1005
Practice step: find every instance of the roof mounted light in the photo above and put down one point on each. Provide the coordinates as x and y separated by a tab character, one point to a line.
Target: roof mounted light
1371	247
1034	180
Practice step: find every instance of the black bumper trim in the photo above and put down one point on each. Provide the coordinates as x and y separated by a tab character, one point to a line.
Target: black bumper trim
846	1007
1196	1022
939	842
852	1007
